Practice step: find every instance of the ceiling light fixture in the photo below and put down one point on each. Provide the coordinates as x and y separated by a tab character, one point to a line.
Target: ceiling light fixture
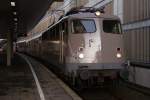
13	4
15	13
15	19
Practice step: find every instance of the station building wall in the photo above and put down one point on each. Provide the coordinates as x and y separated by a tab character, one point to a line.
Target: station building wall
136	23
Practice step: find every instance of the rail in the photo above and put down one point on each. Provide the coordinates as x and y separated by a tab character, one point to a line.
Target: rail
140	64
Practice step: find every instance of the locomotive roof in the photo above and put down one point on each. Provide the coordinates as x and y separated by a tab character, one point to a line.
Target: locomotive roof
92	15
85	15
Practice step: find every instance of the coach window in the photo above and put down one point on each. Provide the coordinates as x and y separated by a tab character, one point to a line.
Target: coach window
46	35
83	26
112	26
57	32
49	32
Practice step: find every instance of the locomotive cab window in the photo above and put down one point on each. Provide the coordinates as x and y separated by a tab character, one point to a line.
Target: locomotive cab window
83	26
112	26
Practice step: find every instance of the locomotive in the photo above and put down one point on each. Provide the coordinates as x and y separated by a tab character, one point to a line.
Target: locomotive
84	46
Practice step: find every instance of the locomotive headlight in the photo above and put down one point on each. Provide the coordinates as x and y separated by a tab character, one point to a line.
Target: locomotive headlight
97	13
81	55
118	55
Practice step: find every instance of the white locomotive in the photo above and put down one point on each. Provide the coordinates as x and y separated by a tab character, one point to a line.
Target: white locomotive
82	46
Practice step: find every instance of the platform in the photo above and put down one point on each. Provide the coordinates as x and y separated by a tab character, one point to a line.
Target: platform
17	82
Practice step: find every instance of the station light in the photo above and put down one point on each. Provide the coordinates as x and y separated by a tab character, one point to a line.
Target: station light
15	13
13	4
15	19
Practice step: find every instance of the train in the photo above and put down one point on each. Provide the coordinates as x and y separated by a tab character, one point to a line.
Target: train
85	46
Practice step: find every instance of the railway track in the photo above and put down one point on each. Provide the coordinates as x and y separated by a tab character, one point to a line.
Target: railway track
97	94
122	91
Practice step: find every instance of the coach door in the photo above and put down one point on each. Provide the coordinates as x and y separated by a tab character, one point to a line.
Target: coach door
63	40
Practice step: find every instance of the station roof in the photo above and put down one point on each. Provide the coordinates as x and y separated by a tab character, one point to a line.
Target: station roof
20	16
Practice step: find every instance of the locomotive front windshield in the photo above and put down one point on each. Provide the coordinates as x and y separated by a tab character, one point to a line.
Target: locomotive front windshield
83	26
112	26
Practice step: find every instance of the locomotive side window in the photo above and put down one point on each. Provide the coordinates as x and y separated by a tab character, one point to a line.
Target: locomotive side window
112	26
83	26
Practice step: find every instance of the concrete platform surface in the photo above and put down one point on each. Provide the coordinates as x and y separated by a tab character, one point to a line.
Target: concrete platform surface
17	82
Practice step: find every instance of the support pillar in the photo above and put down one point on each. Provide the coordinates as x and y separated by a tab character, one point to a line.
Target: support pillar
9	49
